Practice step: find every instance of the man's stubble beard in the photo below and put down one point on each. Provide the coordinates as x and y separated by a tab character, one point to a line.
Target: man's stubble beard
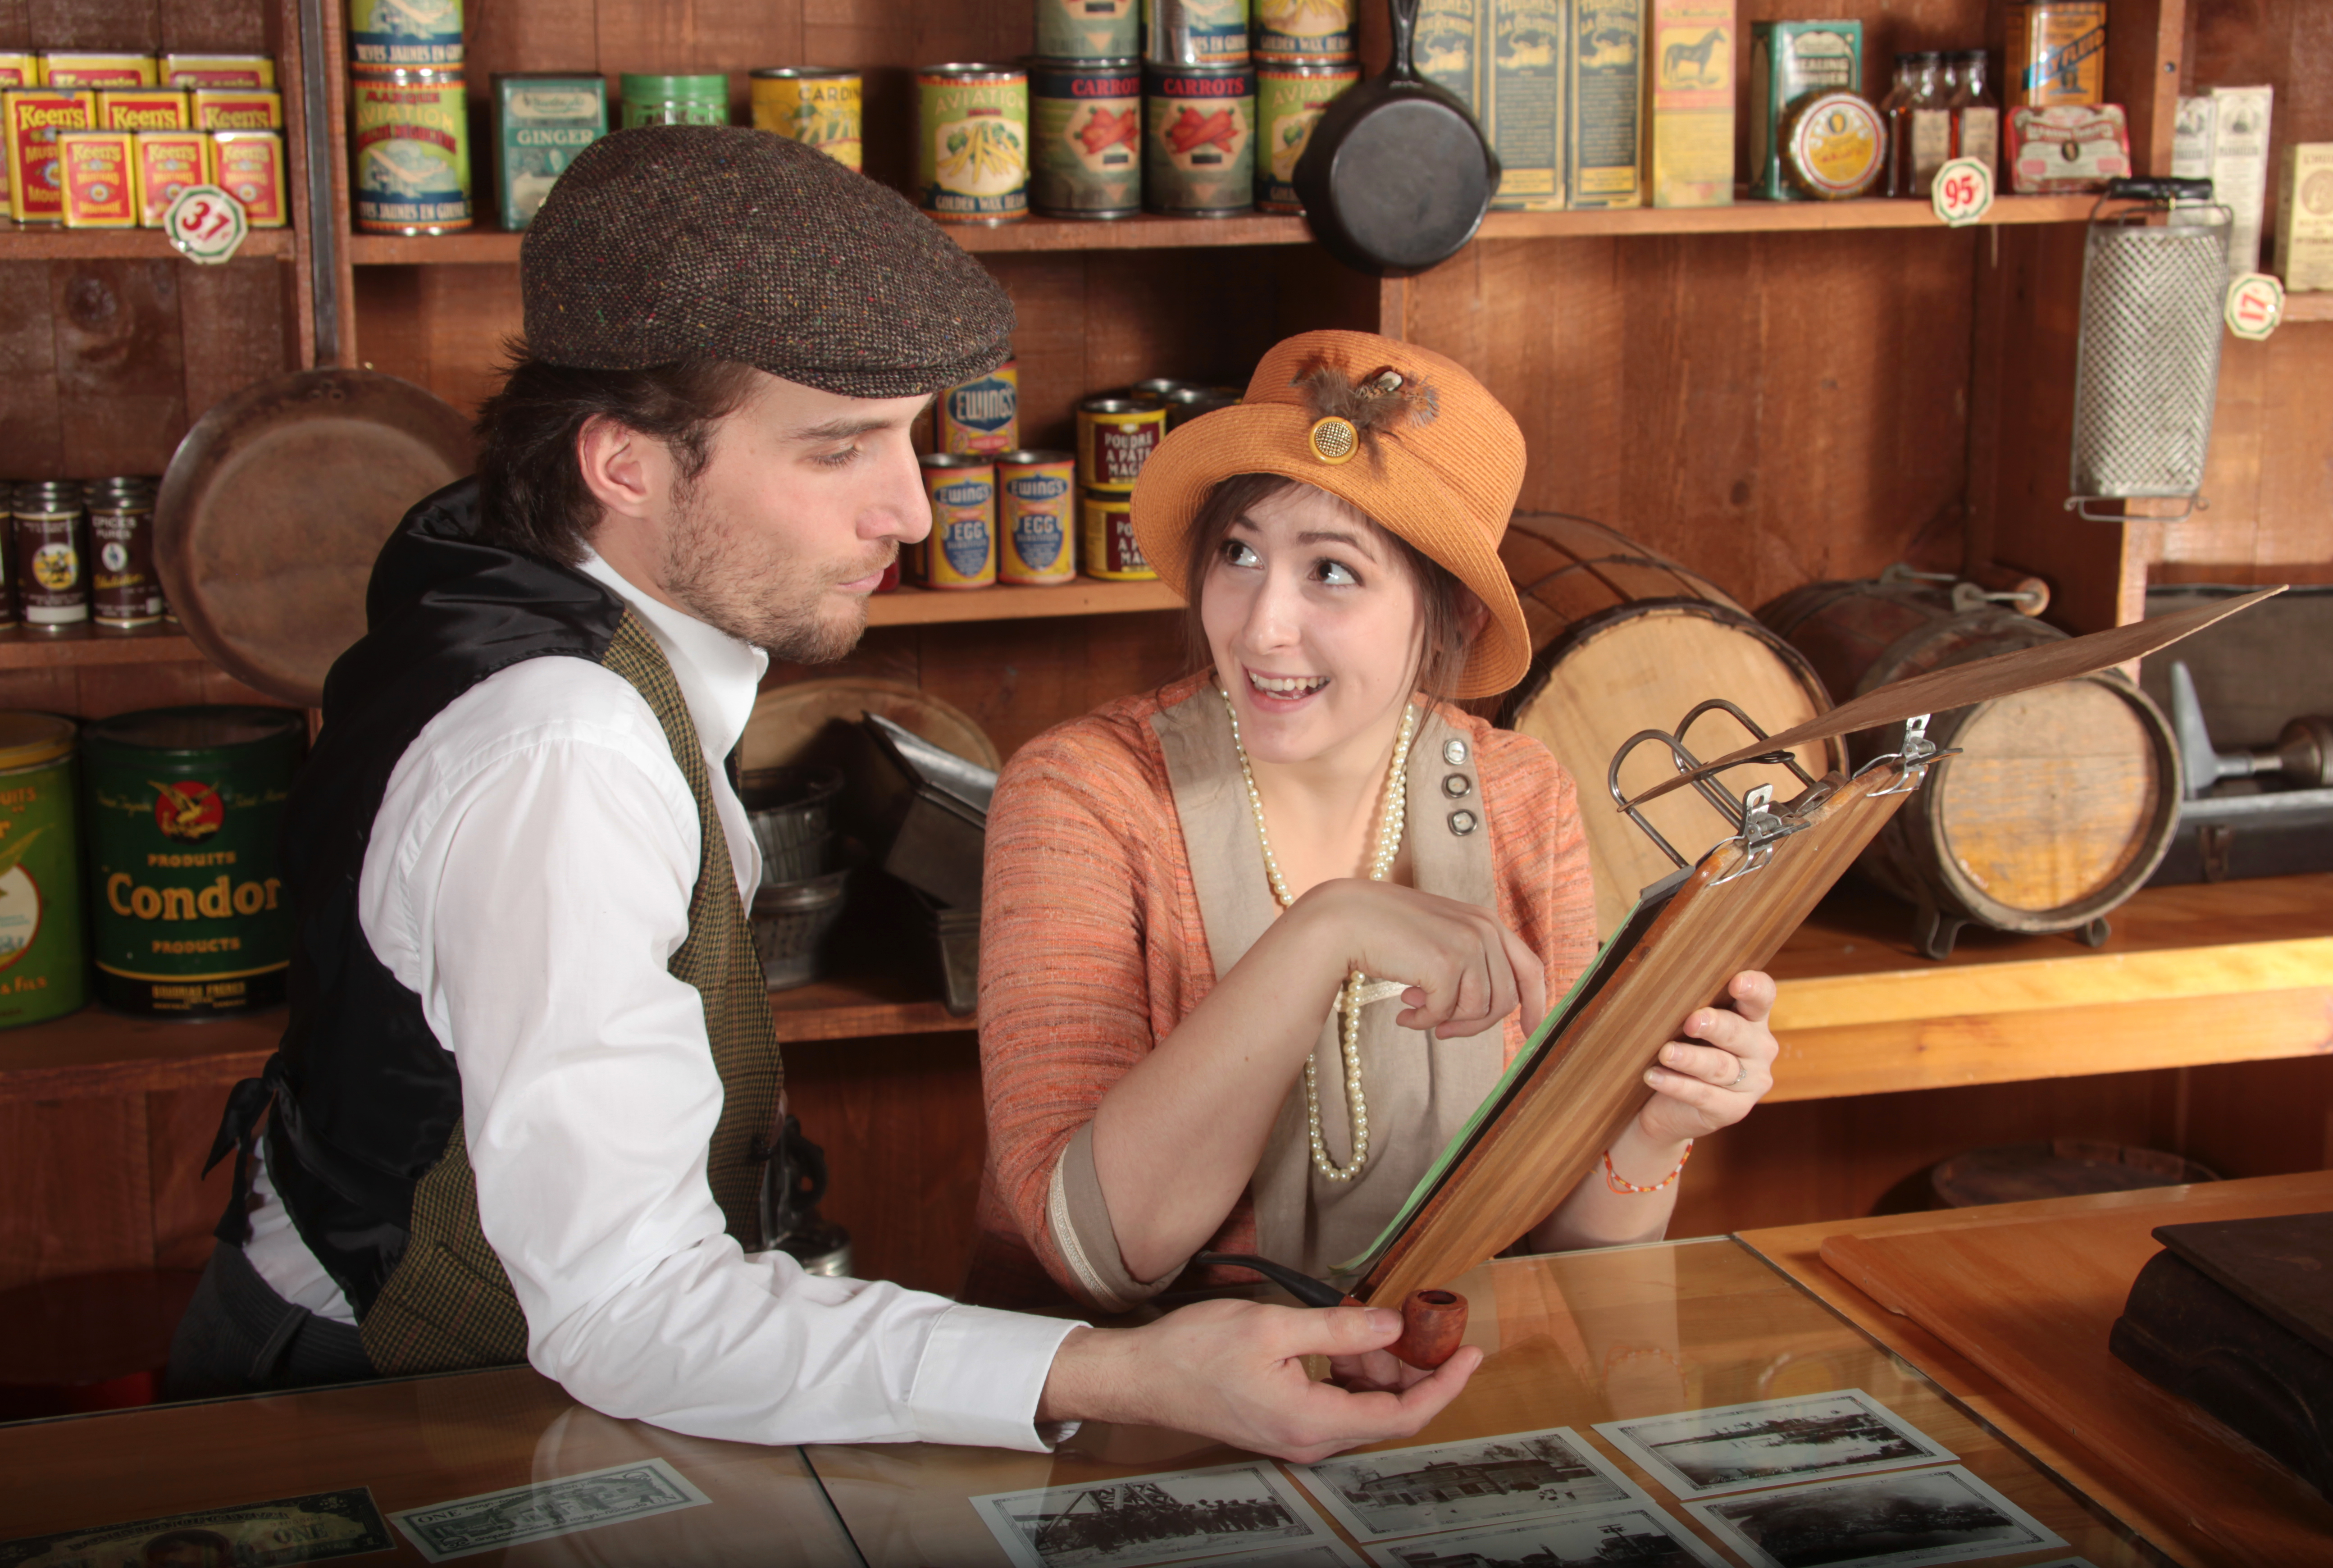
756	588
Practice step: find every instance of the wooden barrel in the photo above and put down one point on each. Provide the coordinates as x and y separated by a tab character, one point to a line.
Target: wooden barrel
2063	800
1627	641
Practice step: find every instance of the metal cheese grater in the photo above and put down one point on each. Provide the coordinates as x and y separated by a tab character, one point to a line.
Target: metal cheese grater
2148	363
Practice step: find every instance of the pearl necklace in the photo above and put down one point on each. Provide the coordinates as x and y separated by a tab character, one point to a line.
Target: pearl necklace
1349	998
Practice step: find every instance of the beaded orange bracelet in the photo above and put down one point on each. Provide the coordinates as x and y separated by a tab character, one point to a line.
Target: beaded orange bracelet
1616	1182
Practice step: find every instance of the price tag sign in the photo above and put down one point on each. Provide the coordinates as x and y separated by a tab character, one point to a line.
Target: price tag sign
1962	192
2255	305
205	223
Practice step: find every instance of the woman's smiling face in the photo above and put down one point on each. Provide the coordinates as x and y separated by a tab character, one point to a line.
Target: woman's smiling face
1314	623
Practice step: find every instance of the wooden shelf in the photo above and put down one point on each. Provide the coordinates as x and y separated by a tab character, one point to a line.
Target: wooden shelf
862	1007
1079	596
44	242
2316	306
23	649
97	1051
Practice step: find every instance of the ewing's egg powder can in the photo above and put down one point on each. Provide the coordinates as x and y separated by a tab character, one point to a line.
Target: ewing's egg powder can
183	807
814	105
960	551
43	964
982	417
1035	492
971	142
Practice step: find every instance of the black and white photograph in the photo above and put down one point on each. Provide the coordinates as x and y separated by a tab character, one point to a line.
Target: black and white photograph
1178	1517
1907	1520
1738	1447
1450	1485
1638	1535
1330	1553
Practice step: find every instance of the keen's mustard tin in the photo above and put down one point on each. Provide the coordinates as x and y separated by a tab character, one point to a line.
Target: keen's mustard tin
808	104
385	33
981	417
1315	30
76	68
1195	32
142	109
960	551
248	165
125	590
101	185
1116	436
1199	147
1290	100
1106	543
43	959
166	162
183	807
35	117
51	551
1085	138
971	143
412	151
1109	30
1035	494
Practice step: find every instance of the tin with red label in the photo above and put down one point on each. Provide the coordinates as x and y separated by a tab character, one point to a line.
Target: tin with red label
960	551
248	165
99	185
1035	493
1106	543
1085	138
1116	436
2064	151
1199	150
982	417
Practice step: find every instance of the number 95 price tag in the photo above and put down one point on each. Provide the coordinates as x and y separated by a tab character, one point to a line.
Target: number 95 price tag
1962	192
205	223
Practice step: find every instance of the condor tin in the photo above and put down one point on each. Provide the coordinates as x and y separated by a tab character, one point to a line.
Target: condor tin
184	806
971	143
981	417
961	549
1085	138
820	108
1116	436
1106	542
1199	149
1035	492
43	962
1290	100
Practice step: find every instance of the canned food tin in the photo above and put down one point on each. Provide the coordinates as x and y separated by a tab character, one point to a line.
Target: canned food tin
808	104
1105	546
100	188
1316	30
248	165
1116	436
2057	54
52	554
653	99
167	161
125	590
1185	404
1834	145
43	963
78	68
142	109
981	417
248	108
385	33
1199	150
184	806
412	148
1083	30
961	549
971	142
543	122
1195	32
1034	494
35	117
1289	102
1085	144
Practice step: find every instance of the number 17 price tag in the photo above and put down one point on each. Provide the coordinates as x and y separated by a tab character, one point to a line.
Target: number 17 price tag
1962	192
205	223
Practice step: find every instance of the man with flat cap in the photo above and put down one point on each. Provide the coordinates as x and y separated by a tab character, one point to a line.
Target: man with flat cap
525	1105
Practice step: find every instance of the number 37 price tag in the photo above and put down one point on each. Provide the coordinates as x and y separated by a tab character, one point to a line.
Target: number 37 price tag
205	223
1962	192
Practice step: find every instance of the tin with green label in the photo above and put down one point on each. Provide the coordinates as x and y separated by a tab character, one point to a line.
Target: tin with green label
43	963
411	143
1289	102
183	807
971	142
543	122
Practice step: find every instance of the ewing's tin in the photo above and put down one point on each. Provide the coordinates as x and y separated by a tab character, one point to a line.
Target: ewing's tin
184	806
1195	32
1315	30
51	554
807	103
1085	138
385	33
1289	102
1088	29
1035	492
412	148
125	590
1199	144
1116	436
982	417
543	122
1106	545
971	142
961	549
43	963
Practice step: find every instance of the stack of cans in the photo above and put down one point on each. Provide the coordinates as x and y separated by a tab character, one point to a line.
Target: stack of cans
410	127
109	141
77	547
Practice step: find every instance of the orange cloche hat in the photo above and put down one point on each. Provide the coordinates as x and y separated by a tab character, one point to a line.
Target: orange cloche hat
1402	433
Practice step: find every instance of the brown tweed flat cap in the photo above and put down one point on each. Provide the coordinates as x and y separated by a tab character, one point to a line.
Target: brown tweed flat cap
678	242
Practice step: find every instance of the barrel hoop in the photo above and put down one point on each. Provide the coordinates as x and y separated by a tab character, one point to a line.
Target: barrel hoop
1524	589
1899	654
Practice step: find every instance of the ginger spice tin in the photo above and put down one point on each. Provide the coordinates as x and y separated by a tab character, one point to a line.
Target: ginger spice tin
43	963
971	143
1034	494
1085	138
961	549
805	104
1106	544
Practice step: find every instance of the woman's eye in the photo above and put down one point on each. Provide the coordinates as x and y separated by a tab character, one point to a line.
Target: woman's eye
1336	574
1238	554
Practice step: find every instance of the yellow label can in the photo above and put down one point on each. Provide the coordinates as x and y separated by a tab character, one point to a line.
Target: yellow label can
961	549
1106	542
806	104
1035	492
1116	436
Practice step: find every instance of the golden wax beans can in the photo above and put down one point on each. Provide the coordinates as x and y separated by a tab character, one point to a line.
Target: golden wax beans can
1035	494
1303	30
1106	547
43	961
960	551
971	143
808	104
1116	436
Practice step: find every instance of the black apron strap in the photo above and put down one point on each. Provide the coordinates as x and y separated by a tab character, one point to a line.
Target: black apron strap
239	1130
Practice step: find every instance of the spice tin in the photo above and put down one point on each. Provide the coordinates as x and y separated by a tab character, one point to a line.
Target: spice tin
125	590
245	108
101	189
1788	60
1316	30
981	417
142	108
971	142
44	961
1199	147
1689	131
2057	54
166	162
183	808
385	33
2063	151
1289	102
1834	145
961	549
412	148
543	120
1085	141
1088	29
1035	492
248	165
18	70
77	69
1106	545
1116	436
1185	404
808	104
650	100
218	70
51	554
1603	95
36	183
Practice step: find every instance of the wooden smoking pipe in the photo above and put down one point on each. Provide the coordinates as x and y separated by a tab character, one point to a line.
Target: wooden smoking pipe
1432	1322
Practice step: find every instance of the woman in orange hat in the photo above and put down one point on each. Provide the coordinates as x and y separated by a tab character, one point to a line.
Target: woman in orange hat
1254	946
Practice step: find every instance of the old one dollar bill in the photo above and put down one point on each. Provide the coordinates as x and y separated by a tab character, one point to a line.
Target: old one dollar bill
494	1520
315	1528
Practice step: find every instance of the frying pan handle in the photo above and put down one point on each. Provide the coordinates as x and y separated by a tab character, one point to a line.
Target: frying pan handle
1404	35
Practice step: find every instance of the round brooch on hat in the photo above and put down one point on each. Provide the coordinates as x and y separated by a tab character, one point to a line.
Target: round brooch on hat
1334	440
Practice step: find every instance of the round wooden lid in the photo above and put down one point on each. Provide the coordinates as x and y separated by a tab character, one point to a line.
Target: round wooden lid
275	507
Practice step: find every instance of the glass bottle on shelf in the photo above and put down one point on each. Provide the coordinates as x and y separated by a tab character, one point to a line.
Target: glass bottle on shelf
1919	124
1976	112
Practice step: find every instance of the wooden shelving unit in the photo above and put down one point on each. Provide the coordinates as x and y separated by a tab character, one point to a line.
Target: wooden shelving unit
2314	306
1079	596
46	242
23	649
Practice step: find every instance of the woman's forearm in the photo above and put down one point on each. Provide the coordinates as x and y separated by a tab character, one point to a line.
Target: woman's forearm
1593	1215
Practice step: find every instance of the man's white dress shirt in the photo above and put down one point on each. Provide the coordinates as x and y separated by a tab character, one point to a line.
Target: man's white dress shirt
529	877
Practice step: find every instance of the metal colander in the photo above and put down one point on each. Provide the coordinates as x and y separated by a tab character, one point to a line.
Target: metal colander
2149	364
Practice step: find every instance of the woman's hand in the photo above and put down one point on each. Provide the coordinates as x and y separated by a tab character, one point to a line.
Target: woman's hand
1711	1079
1466	971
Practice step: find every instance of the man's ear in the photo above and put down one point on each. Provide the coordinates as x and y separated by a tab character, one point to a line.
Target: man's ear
623	470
